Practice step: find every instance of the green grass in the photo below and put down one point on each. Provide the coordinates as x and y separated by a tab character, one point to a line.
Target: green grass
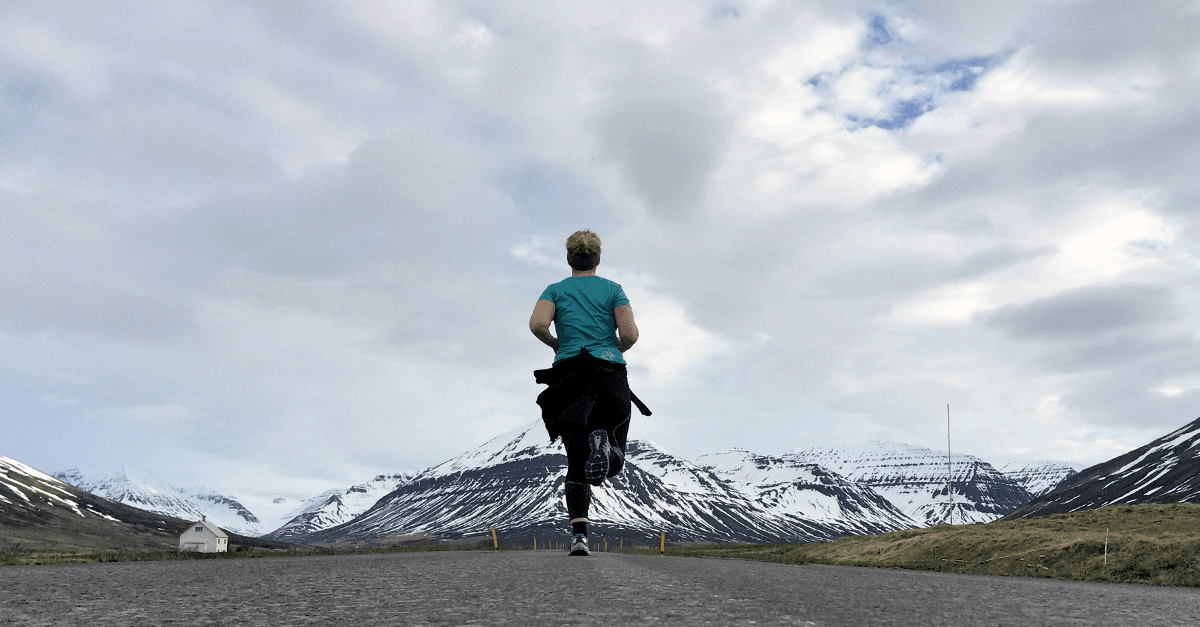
1151	544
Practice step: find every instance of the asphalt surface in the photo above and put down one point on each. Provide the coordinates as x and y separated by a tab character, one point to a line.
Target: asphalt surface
549	588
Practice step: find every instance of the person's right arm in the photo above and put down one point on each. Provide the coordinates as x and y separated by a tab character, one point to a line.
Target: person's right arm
539	323
627	331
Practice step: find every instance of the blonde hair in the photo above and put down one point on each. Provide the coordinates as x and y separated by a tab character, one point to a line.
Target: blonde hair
583	243
583	250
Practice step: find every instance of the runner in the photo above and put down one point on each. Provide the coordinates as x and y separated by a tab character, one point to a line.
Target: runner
587	403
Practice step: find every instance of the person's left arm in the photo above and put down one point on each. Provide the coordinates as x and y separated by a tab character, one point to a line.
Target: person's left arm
539	323
627	331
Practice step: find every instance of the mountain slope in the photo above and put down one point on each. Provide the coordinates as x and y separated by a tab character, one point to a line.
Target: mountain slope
38	511
1166	470
782	485
1039	477
514	482
335	507
154	495
913	478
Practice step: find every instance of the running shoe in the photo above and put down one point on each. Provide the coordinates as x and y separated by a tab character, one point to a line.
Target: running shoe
579	545
596	468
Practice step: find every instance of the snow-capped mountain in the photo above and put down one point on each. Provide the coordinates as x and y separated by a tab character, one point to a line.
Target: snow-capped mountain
21	486
914	479
788	485
39	511
498	483
271	510
154	495
1166	470
514	482
335	507
1039	477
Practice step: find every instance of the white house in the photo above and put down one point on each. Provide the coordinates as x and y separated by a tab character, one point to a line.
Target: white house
204	537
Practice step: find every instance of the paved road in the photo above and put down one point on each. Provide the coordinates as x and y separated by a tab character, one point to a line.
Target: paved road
549	588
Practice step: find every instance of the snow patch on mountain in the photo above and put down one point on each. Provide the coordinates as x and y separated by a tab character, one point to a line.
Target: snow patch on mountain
1166	470
20	484
1039	477
789	486
519	444
334	507
154	495
515	483
915	480
28	495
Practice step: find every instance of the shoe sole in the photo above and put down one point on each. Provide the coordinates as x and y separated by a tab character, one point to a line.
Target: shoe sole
578	553
579	548
596	469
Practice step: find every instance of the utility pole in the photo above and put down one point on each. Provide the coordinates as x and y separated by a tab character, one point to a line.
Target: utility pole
949	475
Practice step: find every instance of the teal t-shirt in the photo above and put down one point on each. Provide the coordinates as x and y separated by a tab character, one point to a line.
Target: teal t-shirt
583	316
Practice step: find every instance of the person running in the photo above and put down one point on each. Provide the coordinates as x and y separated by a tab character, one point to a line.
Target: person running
587	403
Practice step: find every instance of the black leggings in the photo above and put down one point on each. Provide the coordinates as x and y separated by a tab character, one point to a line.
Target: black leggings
610	413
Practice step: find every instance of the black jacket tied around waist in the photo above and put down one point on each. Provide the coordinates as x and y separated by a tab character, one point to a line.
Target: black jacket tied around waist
574	385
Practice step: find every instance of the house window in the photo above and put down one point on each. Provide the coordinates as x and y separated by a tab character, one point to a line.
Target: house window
199	528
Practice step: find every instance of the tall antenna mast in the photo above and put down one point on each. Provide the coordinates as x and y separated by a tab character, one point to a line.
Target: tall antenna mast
949	476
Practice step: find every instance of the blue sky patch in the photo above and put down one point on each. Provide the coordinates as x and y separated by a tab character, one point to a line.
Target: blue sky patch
953	75
965	71
903	113
879	34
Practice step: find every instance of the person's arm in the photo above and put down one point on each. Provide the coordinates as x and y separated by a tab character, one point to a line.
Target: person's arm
539	323
627	331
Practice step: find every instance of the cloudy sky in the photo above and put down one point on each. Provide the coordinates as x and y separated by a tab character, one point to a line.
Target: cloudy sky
284	246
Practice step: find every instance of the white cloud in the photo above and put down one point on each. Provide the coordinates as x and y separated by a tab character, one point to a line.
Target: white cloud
674	349
320	230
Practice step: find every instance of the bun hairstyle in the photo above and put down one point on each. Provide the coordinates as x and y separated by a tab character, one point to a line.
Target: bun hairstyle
583	250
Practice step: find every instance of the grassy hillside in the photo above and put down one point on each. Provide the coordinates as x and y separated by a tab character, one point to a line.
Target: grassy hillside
1158	544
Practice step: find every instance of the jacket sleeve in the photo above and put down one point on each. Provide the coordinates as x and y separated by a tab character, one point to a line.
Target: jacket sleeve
568	402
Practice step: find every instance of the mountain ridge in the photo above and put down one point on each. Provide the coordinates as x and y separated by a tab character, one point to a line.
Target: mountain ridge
39	511
514	482
914	479
1166	470
1040	476
334	507
154	495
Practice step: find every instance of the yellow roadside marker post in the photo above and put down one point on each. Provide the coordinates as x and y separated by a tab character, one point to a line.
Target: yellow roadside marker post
535	543
495	542
662	547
